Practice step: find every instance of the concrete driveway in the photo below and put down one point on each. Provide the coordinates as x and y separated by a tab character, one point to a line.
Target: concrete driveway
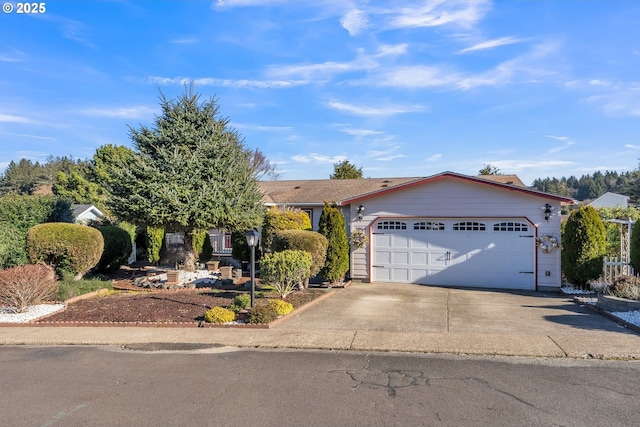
404	317
427	309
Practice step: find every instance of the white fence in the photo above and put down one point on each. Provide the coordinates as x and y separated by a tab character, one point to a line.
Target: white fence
614	268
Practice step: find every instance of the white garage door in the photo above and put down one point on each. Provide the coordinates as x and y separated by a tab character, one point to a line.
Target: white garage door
495	253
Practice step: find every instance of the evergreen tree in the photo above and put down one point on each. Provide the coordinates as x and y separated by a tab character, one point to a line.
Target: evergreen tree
489	169
634	255
584	246
190	172
334	228
345	170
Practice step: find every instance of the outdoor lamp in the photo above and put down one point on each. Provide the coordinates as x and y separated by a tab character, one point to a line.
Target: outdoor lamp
253	239
360	211
547	211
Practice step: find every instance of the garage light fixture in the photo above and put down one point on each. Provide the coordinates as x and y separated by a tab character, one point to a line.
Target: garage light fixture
360	211
548	209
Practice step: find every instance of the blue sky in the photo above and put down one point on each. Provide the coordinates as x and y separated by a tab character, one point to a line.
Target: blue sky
400	88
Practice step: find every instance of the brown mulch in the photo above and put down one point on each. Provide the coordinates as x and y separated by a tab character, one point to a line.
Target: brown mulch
161	306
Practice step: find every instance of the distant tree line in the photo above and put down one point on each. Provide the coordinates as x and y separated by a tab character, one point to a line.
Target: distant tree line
593	186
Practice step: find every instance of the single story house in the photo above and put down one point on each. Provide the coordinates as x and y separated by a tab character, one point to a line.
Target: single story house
447	229
84	214
610	200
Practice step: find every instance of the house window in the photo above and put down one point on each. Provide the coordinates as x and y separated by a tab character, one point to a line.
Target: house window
392	225
510	226
428	225
310	213
469	226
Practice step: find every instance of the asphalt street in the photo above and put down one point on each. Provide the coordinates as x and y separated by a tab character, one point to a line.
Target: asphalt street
196	385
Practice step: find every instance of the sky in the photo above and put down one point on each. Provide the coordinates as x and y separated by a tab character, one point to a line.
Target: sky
399	88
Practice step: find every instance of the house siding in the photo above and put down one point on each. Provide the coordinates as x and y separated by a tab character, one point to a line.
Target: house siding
454	198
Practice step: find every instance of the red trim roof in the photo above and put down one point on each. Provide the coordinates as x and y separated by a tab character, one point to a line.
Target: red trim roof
444	175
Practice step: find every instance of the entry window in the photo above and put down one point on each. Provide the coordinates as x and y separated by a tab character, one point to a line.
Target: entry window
510	226
392	225
428	225
469	226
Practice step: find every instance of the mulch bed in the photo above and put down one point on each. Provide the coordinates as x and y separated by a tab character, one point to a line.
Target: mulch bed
186	306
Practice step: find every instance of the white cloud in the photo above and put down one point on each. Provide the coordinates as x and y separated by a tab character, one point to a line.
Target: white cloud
386	110
185	40
359	133
32	155
354	21
623	102
242	83
15	56
434	157
417	76
11	118
432	13
541	164
317	158
596	82
490	44
386	155
557	138
314	72
121	112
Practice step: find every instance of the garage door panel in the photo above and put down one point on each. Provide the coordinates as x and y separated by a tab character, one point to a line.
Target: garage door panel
401	258
477	253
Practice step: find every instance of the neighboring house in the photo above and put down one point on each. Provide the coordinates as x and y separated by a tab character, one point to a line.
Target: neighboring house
610	200
448	229
84	214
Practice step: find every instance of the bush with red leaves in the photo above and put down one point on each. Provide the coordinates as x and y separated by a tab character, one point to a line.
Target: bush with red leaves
26	285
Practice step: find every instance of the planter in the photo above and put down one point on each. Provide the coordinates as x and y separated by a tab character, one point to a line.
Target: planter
226	272
213	265
173	277
613	304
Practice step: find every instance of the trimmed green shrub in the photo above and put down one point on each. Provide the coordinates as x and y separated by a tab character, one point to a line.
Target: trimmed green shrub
219	315
334	228
310	241
12	246
627	287
67	247
285	270
155	243
584	246
117	248
242	300
18	214
207	250
26	285
282	307
262	313
282	218
634	255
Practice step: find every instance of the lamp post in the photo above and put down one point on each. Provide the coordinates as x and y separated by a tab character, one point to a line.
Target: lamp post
253	238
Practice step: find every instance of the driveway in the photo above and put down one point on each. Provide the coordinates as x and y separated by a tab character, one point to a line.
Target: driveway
428	309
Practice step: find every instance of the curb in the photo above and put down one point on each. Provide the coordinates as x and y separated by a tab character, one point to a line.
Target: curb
608	315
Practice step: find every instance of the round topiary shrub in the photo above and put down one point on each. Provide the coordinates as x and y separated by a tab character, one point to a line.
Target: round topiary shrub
282	307
219	315
117	248
67	247
303	240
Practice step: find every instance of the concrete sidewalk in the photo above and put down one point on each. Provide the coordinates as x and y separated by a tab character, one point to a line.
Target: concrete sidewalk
395	317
